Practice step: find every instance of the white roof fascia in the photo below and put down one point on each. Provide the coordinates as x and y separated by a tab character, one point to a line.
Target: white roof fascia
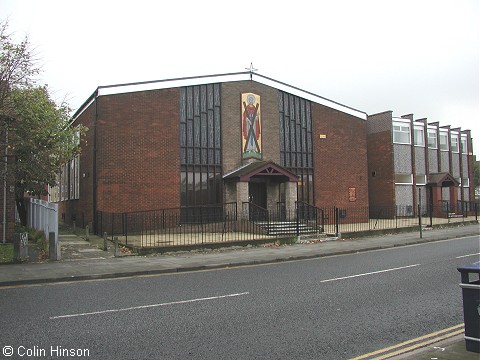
170	83
221	78
311	96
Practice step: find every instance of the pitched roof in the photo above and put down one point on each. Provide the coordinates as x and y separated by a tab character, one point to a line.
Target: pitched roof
260	169
218	78
442	179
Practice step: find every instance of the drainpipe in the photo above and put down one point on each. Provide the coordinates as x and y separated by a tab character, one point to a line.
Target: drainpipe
5	189
94	177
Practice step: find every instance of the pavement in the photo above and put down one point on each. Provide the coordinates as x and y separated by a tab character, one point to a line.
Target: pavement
83	258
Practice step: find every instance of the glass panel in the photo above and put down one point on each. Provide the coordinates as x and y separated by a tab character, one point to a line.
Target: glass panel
443	137
210	129
217	127
189	103
183	104
302	114
198	188
203	98
297	110
189	133
196	131
190	193
183	188
280	101
298	135
204	191
463	145
196	102
183	135
420	179
292	137
282	139
216	91
183	156
211	158
196	151
454	143
292	107
210	96
287	135
309	117
432	139
401	133
418	136
403	178
190	156
204	130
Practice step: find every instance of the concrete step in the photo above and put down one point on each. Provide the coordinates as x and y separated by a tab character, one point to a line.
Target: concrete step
286	228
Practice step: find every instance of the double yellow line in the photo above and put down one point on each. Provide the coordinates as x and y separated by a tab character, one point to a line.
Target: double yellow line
413	344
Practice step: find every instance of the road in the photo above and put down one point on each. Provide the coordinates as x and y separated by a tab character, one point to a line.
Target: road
328	308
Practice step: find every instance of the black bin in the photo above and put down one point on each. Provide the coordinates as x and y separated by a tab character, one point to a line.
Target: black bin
471	305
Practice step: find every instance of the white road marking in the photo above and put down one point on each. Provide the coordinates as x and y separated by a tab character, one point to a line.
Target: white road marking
369	273
148	306
464	256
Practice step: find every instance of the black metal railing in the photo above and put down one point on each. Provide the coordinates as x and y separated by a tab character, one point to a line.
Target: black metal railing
224	223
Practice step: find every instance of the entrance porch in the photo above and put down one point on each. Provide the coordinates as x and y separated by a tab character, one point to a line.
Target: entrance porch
260	188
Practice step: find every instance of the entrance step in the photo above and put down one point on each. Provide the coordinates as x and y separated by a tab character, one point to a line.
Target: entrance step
454	215
286	228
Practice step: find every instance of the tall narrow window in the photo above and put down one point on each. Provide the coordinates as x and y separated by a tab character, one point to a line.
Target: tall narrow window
432	138
296	150
418	136
454	143
443	137
200	150
463	144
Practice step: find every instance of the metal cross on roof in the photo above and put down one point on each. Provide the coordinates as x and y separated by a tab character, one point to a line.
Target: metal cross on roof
251	69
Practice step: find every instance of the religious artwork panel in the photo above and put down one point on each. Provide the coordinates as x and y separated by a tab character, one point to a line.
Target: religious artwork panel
251	127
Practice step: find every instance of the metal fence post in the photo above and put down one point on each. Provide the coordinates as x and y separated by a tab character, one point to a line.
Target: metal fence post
336	221
419	212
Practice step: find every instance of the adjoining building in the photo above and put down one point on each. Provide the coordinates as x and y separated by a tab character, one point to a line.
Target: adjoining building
416	162
249	140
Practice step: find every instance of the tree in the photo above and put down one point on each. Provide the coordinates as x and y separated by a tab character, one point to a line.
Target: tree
42	141
18	68
36	131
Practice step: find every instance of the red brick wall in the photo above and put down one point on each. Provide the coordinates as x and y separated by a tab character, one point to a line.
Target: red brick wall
138	162
381	182
340	158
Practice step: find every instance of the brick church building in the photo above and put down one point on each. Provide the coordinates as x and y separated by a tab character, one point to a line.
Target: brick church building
232	138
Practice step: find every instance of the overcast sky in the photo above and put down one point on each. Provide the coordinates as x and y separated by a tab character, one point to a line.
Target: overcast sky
419	56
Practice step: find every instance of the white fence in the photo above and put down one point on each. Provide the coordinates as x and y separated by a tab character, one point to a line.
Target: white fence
43	215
